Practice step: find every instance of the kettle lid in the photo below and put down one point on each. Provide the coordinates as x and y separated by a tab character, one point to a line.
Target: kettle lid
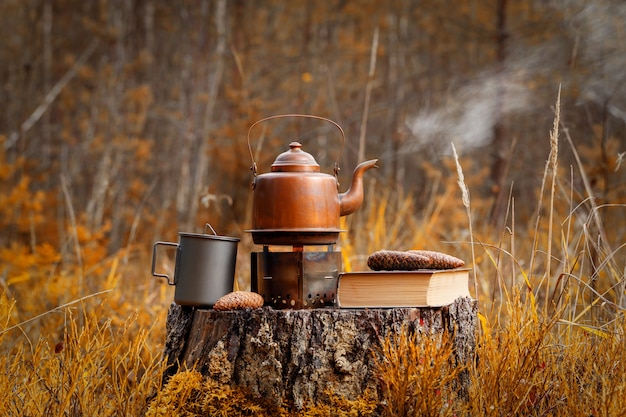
295	160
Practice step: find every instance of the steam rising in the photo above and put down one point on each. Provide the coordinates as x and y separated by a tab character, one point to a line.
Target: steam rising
600	26
469	116
594	37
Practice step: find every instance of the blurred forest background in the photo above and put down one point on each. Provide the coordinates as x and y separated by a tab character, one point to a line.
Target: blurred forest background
125	121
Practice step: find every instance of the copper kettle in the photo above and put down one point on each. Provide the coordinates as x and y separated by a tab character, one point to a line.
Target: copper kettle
295	203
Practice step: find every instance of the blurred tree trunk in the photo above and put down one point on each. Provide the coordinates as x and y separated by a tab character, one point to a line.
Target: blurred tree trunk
500	144
197	136
368	94
116	18
187	89
47	82
214	81
399	36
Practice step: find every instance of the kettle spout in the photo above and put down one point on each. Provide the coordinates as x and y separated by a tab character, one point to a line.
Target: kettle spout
351	200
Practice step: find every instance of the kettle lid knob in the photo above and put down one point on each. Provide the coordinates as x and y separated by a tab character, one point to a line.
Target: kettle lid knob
295	159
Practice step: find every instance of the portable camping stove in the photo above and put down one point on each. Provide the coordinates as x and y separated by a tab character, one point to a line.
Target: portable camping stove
295	205
298	279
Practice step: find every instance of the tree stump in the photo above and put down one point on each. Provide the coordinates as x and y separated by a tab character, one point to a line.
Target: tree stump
294	356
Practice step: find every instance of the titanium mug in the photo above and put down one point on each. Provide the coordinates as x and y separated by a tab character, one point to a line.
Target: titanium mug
205	267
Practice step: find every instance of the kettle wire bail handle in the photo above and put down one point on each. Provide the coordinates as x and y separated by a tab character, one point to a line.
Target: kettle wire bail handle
154	256
308	116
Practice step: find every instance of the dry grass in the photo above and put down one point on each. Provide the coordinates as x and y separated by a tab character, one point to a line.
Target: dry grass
66	355
417	375
96	369
82	333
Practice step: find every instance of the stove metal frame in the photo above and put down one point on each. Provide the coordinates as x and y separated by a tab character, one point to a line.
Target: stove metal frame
296	280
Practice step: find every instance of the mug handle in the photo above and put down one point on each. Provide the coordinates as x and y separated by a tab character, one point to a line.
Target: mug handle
154	256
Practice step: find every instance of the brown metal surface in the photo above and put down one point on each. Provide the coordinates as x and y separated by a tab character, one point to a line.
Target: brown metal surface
296	201
295	160
351	200
295	237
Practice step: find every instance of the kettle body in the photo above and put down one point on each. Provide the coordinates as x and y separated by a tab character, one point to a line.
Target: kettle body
296	204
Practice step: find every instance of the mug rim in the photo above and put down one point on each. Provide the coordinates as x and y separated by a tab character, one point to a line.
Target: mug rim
208	236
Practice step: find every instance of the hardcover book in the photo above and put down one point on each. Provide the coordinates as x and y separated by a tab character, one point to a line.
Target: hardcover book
390	289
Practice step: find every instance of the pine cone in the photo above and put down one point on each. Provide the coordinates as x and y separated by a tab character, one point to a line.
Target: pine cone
239	300
389	260
440	260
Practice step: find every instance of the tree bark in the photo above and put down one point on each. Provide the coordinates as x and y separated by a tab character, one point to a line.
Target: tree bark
294	356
